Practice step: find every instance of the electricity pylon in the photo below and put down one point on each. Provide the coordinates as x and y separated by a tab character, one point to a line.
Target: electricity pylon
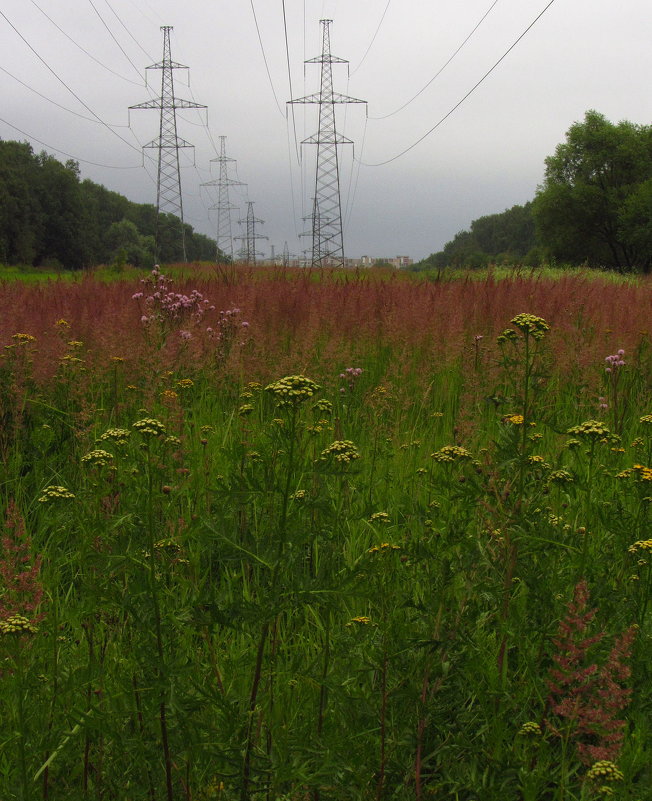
168	182
224	206
248	251
327	239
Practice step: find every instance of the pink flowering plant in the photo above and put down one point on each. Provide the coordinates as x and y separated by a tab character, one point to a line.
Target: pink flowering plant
164	311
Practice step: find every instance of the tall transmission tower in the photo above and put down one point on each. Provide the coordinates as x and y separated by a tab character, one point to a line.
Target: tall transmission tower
248	251
168	182
224	206
327	239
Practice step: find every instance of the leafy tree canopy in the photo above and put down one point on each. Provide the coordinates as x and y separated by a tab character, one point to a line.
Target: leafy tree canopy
595	205
49	216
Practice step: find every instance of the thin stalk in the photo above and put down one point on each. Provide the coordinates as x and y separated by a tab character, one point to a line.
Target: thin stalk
380	786
246	763
22	760
160	669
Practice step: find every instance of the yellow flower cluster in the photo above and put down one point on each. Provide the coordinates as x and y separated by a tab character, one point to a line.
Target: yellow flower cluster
342	450
299	495
514	419
53	493
323	405
118	435
362	620
529	729
292	390
591	429
560	477
97	458
642	472
379	517
531	324
23	339
167	546
17	624
605	770
451	453
185	383
646	419
149	427
245	409
385	547
640	545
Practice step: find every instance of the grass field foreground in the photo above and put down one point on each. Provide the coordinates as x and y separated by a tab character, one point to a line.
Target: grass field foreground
285	534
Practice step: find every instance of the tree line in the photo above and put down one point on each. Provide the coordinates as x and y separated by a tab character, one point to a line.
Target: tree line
50	217
593	208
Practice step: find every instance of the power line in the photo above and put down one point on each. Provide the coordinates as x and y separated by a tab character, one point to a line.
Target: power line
253	11
69	155
442	68
373	38
287	58
63	83
467	95
110	32
83	49
129	33
54	102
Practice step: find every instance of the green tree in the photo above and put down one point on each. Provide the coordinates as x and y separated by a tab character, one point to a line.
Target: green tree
592	205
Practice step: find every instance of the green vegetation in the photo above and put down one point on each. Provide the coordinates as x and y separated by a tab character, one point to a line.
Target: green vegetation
594	208
417	565
49	218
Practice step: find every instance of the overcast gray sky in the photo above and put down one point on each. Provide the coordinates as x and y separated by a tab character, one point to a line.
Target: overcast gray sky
487	156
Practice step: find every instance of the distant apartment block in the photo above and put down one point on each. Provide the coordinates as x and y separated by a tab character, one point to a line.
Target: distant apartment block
397	262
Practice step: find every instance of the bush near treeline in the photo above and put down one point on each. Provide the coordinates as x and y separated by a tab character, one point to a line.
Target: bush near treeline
594	207
50	217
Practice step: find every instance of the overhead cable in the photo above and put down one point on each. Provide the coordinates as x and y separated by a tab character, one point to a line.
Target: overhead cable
69	155
441	69
110	32
466	96
373	38
83	49
129	33
287	58
54	102
262	49
63	83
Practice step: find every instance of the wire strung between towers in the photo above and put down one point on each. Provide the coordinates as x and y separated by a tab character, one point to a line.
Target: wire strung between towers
65	85
262	48
441	69
466	96
373	38
70	155
83	49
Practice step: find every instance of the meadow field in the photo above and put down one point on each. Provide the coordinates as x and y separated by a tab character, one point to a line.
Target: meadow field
295	535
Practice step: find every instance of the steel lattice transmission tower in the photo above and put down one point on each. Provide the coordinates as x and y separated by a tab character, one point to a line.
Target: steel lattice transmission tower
224	206
248	251
168	182
327	239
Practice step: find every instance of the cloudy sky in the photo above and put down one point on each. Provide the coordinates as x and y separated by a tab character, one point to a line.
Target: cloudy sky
70	69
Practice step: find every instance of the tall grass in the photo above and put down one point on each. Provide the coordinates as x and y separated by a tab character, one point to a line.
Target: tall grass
422	572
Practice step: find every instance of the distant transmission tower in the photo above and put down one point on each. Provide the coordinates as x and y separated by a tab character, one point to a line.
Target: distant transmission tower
248	251
224	206
168	183
327	240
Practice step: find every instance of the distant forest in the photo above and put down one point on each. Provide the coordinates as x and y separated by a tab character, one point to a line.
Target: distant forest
49	217
594	208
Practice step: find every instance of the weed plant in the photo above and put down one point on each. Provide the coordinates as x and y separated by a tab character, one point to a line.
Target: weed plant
340	537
